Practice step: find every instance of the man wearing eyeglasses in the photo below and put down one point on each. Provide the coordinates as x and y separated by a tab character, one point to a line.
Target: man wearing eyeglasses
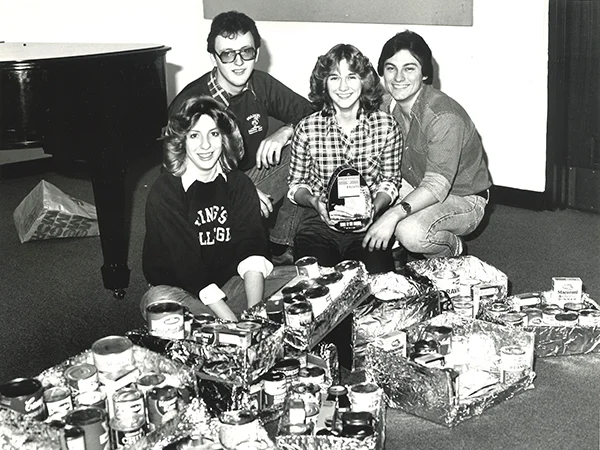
253	96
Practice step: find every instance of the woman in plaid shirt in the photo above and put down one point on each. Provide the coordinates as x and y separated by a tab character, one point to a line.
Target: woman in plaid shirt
348	130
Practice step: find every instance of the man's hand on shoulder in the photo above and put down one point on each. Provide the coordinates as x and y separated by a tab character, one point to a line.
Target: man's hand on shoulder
269	150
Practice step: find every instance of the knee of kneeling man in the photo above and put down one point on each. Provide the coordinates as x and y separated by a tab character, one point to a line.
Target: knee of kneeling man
410	240
161	293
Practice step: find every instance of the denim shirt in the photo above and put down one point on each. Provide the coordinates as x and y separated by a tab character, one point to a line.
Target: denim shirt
443	151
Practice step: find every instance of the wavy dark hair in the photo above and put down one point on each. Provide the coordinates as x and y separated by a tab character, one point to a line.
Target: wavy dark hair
183	121
372	92
229	24
416	45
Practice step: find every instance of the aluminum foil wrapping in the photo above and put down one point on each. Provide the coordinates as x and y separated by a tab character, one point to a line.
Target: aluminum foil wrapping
241	366
354	293
433	393
19	432
182	351
193	424
309	442
564	340
325	355
397	302
466	267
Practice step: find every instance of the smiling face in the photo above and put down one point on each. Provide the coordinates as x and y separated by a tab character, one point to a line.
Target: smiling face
204	145
403	77
233	76
344	88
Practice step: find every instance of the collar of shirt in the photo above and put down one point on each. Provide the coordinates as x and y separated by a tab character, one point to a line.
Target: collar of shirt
363	123
218	93
192	174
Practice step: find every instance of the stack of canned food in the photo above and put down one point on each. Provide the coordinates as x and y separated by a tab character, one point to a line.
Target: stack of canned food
101	406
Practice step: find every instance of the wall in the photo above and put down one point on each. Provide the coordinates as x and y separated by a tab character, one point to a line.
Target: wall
497	69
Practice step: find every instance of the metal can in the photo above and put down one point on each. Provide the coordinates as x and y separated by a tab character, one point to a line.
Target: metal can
128	405
123	435
24	395
299	315
150	380
274	389
165	320
82	377
349	269
463	306
447	281
319	299
534	316
91	398
296	429
567	319
297	288
589	317
513	363
312	375
237	427
497	309
574	307
514	319
112	353
94	423
290	367
58	401
308	267
312	413
274	307
162	404
252	328
365	397
71	437
338	394
334	281
442	335
549	313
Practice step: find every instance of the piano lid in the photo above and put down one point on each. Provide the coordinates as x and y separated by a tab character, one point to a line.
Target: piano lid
32	51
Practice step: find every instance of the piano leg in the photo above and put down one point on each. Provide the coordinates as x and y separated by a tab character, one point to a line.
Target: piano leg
111	198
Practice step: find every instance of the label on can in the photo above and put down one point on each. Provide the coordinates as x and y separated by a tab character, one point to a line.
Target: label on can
312	375
165	320
82	377
162	404
24	395
94	423
274	389
123	435
447	281
513	363
308	267
58	400
129	406
299	315
91	398
112	353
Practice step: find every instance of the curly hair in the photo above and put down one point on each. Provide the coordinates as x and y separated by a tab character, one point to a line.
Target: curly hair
174	151
230	24
372	92
416	45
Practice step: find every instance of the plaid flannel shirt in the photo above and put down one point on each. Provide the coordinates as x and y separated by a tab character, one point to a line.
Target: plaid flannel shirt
320	146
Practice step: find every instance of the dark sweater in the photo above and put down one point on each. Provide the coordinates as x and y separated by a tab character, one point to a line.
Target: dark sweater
266	98
198	237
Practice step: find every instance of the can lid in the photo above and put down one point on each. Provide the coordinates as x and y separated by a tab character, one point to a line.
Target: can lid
357	418
274	376
20	387
80	372
164	306
316	292
329	278
364	388
239	417
337	389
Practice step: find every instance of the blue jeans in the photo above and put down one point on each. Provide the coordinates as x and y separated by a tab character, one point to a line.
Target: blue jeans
234	289
273	182
434	231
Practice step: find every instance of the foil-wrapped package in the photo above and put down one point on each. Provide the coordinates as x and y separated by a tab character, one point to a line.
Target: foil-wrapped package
434	393
467	271
20	432
396	303
554	339
333	442
354	291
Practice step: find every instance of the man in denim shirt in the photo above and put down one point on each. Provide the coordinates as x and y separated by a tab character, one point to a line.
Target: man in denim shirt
446	180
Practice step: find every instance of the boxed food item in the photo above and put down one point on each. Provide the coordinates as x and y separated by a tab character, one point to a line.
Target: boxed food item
570	329
457	368
48	213
397	302
310	307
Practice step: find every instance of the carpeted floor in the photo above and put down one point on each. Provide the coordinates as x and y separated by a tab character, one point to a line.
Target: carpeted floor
54	306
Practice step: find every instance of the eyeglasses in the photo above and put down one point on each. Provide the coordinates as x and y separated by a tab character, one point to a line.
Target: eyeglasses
228	56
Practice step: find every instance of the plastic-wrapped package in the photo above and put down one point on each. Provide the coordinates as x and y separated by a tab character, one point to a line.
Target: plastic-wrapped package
397	302
435	393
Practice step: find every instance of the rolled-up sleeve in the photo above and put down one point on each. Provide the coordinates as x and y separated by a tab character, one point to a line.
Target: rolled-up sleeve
255	263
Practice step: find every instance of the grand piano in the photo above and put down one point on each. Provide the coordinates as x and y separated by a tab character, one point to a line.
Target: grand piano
95	103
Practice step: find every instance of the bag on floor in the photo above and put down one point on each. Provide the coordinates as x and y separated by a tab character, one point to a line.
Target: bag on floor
48	213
